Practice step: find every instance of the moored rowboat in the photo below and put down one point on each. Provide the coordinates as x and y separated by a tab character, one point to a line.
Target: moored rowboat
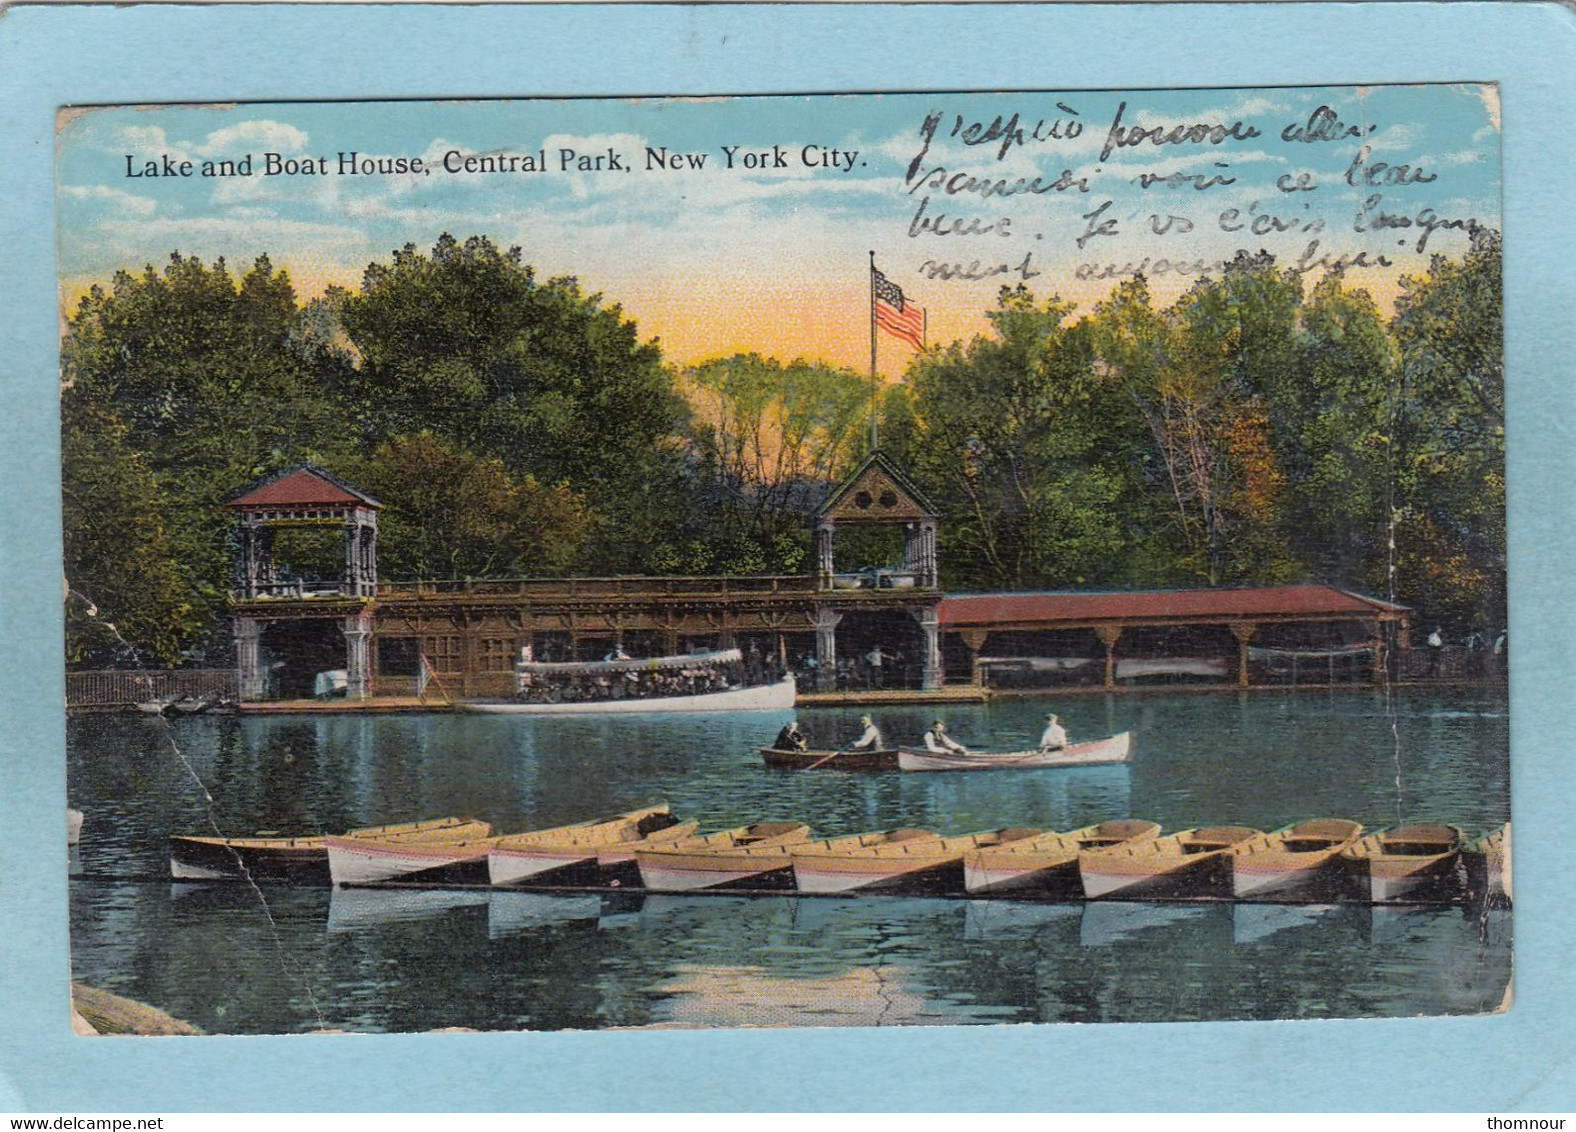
1410	862
567	855
1295	863
1047	865
1487	862
1116	749
913	865
615	863
829	760
753	856
299	859
1193	863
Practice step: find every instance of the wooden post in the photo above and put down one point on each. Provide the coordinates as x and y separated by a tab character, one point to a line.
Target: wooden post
1243	631
1109	635
974	641
826	648
930	626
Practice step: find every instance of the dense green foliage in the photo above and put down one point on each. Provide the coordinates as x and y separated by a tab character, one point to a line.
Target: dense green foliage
1255	431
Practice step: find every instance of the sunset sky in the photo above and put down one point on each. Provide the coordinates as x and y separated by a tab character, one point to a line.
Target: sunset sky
717	260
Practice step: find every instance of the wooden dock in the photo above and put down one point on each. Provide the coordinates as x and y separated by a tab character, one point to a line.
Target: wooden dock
955	694
383	704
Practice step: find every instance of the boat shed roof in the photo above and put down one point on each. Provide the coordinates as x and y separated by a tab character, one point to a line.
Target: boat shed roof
1073	610
305	485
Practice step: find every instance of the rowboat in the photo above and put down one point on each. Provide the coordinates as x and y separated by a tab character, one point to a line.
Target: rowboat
829	760
1487	862
615	863
1047	865
1193	863
1410	862
1296	863
300	859
734	858
567	855
73	826
1116	749
913	865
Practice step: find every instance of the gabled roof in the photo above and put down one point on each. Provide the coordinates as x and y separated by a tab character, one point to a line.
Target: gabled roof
304	485
877	477
1157	606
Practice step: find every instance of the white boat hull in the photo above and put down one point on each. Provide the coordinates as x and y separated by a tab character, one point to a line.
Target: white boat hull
506	867
1116	749
350	862
769	697
663	876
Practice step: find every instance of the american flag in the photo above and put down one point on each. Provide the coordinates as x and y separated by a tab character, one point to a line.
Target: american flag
895	314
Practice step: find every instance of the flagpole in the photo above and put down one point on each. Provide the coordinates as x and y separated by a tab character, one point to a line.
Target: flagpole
873	386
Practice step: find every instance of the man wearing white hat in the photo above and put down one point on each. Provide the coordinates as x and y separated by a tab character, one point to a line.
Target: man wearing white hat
1055	737
870	740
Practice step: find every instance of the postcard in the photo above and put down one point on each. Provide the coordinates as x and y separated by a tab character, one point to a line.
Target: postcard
679	575
900	559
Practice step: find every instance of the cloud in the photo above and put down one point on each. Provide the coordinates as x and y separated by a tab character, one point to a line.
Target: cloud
258	135
105	201
146	141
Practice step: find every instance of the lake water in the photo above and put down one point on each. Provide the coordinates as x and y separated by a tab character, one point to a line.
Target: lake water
230	959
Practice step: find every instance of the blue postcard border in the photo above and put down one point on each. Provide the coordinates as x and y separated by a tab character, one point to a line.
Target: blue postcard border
56	55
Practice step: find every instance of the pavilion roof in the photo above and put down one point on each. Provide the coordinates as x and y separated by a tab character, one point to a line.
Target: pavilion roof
305	485
1053	609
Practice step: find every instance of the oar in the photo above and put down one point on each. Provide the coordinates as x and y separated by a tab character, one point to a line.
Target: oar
829	758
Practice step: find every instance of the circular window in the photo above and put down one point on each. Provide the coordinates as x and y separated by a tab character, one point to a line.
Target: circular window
889	499
862	500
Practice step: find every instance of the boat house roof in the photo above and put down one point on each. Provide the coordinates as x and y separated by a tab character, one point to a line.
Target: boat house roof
1073	610
305	485
877	492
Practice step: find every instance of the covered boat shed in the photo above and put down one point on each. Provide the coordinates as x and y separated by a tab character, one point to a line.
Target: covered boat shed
1101	638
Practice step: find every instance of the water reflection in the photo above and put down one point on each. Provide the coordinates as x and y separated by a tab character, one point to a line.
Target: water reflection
232	960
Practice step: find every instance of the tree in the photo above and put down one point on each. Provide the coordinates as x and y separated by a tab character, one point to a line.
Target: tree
450	514
468	344
1449	437
194	374
127	599
771	439
1334	437
1025	447
1205	376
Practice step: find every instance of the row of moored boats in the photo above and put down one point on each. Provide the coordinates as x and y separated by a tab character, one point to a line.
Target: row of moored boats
1311	861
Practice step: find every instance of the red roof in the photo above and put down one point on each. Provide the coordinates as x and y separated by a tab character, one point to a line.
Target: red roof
1049	609
302	487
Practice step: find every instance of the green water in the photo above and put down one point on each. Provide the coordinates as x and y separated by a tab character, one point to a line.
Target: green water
232	960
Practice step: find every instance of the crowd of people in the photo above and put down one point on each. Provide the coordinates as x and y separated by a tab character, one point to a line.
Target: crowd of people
875	667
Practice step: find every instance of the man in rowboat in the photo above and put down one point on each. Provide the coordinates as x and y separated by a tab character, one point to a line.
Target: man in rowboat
937	740
1055	737
870	740
790	738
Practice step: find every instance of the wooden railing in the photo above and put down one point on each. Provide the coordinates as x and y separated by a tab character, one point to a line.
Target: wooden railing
123	687
639	587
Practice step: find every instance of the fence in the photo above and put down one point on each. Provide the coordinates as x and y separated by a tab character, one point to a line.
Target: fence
123	687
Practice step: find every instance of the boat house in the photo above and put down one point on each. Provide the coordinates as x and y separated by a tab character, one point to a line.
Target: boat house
307	604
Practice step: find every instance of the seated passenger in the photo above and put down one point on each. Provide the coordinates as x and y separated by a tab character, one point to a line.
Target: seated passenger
790	738
870	740
1055	737
938	741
